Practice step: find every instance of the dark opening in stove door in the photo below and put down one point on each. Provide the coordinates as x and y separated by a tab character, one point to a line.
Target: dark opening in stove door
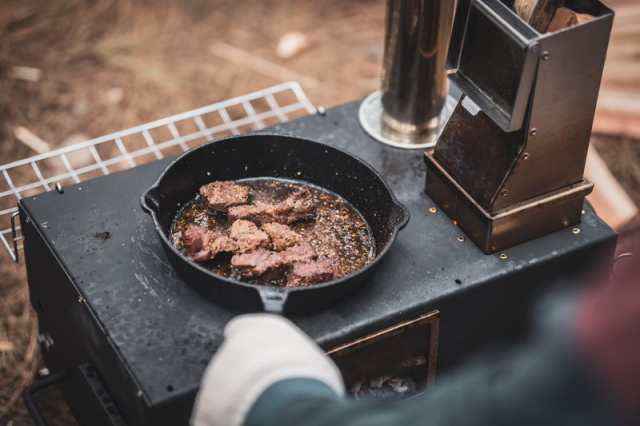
396	362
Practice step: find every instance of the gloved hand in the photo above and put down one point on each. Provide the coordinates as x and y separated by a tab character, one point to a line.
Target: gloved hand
258	351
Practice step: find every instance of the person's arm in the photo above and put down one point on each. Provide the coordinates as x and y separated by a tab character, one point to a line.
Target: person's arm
285	379
260	350
546	382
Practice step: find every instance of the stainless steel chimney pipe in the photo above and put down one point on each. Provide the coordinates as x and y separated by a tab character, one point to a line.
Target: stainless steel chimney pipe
414	87
407	111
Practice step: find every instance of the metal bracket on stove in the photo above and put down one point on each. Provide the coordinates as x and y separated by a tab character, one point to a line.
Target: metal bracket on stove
14	236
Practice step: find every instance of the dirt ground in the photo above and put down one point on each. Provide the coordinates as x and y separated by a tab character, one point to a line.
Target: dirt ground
110	64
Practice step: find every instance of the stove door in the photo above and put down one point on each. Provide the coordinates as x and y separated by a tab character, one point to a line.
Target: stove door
396	362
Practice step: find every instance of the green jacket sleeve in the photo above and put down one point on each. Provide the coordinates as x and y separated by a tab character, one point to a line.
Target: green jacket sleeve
546	382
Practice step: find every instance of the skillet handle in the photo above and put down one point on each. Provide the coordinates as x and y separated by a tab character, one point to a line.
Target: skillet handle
273	299
150	202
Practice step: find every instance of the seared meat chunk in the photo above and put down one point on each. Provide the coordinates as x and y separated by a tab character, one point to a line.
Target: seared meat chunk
297	206
247	236
222	244
261	261
281	235
257	262
202	244
258	212
221	195
302	252
311	272
193	237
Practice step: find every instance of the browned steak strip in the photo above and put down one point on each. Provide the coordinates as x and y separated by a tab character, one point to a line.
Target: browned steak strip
247	236
221	195
297	206
222	244
193	238
281	236
258	212
261	261
302	252
203	245
311	272
256	263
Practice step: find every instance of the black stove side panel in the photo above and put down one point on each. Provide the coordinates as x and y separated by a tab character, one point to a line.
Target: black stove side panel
50	286
499	313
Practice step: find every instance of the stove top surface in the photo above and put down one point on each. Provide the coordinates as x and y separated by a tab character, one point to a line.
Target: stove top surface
166	333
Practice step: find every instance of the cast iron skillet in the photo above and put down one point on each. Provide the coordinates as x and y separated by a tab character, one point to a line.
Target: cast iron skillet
274	156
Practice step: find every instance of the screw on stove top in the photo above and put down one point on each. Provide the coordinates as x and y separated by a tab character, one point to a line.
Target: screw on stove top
575	231
533	131
59	188
525	156
43	372
46	341
460	238
321	110
503	256
433	210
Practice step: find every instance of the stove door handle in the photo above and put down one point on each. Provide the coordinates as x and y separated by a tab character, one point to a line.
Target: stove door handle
273	299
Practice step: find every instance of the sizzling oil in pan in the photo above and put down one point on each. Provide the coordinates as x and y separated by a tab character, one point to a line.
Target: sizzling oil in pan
338	232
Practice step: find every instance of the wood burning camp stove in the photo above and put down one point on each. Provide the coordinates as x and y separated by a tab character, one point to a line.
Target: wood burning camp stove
128	341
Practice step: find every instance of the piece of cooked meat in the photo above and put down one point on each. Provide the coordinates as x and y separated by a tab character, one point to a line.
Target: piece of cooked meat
221	195
261	261
281	235
297	206
222	244
257	262
302	252
247	236
258	212
202	244
311	272
193	237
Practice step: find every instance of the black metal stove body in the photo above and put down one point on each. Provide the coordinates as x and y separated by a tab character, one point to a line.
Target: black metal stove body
106	295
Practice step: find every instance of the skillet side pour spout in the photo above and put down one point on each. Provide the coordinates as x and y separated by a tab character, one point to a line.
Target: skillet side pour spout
281	157
149	201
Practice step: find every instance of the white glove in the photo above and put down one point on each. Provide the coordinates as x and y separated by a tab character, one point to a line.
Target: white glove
258	351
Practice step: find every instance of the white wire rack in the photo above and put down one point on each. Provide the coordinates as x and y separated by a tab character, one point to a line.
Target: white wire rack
138	145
